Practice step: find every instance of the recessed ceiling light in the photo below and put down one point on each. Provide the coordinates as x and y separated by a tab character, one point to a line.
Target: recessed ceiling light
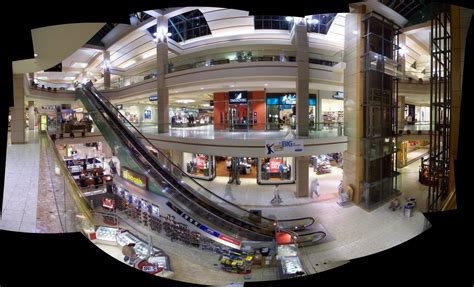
202	88
169	34
289	18
42	78
36	55
232	86
265	84
69	78
355	32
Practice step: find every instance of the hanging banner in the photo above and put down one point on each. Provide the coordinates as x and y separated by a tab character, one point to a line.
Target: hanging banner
286	147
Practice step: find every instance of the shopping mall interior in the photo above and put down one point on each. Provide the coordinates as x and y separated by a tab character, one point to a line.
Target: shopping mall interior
247	147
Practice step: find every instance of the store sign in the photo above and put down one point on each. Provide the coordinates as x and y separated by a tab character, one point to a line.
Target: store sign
288	99
275	164
200	162
224	239
153	98
339	96
135	178
239	97
276	147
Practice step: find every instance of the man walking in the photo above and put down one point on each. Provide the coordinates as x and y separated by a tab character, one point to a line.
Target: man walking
314	188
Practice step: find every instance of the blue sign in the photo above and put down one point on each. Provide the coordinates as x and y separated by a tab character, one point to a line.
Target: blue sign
288	99
153	98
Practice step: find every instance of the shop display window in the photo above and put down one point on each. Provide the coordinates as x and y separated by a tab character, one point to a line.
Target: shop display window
199	165
276	170
190	117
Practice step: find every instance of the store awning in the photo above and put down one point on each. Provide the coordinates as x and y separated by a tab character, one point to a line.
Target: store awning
283	238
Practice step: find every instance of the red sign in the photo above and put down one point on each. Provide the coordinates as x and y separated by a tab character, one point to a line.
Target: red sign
275	165
200	162
228	239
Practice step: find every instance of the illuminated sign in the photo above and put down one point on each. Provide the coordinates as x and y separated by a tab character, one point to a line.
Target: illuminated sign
239	97
277	147
153	98
275	165
288	99
339	96
135	178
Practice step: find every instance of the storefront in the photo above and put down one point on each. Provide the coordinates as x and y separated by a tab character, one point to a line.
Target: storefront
139	113
410	151
246	166
276	170
332	111
199	165
281	110
190	116
239	110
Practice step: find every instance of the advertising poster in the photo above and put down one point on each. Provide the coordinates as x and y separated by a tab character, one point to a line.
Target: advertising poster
275	164
200	162
284	147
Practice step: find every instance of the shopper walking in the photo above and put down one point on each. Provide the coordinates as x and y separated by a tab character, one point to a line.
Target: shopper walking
314	188
276	195
228	192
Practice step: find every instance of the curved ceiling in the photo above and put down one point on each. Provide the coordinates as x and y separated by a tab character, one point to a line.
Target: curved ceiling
55	43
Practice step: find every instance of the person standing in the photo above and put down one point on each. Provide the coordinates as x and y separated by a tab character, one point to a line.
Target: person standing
129	252
314	188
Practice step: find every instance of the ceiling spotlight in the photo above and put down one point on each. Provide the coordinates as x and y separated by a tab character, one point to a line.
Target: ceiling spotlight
289	18
154	34
36	55
169	34
231	86
265	84
155	39
202	88
355	32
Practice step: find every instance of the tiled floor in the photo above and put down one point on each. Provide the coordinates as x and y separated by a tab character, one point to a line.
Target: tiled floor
21	185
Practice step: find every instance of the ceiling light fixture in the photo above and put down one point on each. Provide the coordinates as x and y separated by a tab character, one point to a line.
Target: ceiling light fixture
265	84
36	55
185	101
289	18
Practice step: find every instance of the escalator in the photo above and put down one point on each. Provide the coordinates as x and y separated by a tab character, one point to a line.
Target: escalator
169	180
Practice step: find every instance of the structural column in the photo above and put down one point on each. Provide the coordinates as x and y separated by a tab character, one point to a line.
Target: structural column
31	115
401	112
353	109
161	65
106	70
302	80
457	46
319	111
18	122
302	173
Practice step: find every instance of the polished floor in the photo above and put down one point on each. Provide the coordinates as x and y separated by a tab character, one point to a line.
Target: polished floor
354	231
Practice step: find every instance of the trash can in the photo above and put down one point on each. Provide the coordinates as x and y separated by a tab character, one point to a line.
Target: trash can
408	209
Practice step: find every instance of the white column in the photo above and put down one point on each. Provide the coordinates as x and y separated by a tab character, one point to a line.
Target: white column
302	176
31	115
106	70
18	121
302	81
161	65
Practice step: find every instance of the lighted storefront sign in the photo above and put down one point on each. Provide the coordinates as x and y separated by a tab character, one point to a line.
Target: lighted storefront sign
135	178
239	97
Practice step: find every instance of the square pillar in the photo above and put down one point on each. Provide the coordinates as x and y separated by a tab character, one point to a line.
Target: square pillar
302	176
18	121
161	66
302	80
106	55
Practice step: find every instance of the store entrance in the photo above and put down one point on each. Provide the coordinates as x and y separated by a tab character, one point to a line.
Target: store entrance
247	166
238	117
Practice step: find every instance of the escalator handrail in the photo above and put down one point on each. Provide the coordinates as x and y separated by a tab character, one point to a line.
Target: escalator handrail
108	104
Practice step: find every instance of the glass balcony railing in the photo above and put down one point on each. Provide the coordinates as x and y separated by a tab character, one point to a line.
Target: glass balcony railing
415	128
249	56
247	131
